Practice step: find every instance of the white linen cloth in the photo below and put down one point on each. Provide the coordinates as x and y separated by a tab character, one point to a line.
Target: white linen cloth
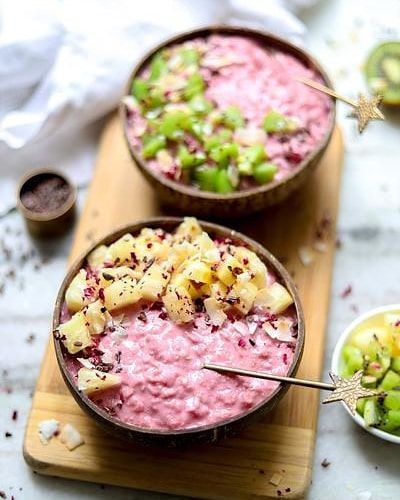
64	64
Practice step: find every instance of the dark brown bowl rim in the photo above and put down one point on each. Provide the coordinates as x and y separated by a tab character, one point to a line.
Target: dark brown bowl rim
203	31
48	216
171	222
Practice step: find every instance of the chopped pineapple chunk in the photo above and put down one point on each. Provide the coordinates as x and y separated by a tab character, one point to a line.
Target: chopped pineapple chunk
253	263
96	317
121	293
153	282
75	294
214	310
218	290
75	334
198	271
108	275
121	251
188	229
245	293
99	255
276	298
204	243
180	280
228	270
90	381
179	304
180	252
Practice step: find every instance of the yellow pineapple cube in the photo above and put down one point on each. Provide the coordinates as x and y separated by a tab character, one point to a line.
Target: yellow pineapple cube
91	381
75	334
123	292
153	283
180	252
108	275
254	264
214	310
179	304
228	270
75	296
180	280
275	297
99	255
218	290
122	249
198	271
245	293
96	317
188	229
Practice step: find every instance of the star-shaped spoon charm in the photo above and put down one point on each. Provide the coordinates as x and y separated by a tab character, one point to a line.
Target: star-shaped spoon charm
364	109
349	390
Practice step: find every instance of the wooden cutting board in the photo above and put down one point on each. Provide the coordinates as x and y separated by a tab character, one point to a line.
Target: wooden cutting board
238	468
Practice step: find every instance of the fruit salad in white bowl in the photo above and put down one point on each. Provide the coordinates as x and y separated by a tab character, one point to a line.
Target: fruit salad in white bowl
372	343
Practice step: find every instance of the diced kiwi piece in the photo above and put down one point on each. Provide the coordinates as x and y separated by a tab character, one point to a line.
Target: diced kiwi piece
371	412
392	400
369	381
140	89
361	405
223	183
395	364
217	140
345	371
232	117
390	381
206	178
189	160
158	67
200	105
189	56
390	421
353	358
152	145
224	153
172	123
382	71
194	86
155	99
264	172
277	122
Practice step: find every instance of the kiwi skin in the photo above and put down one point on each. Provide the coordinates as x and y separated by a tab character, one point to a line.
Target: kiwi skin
374	70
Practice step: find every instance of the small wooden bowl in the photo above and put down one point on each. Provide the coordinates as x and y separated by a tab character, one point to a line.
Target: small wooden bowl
188	199
50	223
207	433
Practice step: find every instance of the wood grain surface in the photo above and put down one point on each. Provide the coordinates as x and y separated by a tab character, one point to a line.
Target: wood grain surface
241	467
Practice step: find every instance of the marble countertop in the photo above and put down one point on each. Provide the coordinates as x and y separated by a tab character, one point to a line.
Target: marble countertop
360	466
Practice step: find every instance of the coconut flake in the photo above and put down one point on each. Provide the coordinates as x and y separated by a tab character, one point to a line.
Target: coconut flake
306	256
241	328
217	315
130	102
86	363
48	429
70	437
321	246
279	329
250	136
106	358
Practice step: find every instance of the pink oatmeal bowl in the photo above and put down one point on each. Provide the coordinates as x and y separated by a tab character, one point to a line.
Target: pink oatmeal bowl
243	94
180	358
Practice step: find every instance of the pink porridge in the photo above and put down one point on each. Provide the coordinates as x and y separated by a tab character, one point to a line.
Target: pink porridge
143	362
224	113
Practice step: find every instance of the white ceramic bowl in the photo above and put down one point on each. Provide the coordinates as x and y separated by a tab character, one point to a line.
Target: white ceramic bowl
336	363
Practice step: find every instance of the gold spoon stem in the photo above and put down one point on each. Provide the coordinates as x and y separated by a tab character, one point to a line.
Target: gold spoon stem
268	376
326	90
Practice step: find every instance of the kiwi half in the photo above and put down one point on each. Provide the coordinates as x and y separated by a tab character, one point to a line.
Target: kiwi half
382	70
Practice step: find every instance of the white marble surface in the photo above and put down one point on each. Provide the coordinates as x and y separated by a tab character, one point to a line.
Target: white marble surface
361	467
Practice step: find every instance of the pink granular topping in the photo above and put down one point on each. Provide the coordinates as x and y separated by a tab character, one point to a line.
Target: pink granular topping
160	365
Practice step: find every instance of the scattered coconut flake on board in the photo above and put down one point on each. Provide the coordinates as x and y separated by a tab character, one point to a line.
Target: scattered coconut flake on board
70	437
276	478
306	256
321	246
48	429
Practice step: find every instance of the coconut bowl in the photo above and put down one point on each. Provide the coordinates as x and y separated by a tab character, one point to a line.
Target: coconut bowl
184	198
203	434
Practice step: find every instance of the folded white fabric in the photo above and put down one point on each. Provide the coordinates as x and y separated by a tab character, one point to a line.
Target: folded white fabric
64	65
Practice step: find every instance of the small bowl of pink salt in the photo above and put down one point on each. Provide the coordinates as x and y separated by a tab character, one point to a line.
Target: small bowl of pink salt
138	317
218	121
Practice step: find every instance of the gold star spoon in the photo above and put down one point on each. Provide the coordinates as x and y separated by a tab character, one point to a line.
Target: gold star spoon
347	390
365	109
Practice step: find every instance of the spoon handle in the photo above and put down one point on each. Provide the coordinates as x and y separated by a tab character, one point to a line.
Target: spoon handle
326	90
268	376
